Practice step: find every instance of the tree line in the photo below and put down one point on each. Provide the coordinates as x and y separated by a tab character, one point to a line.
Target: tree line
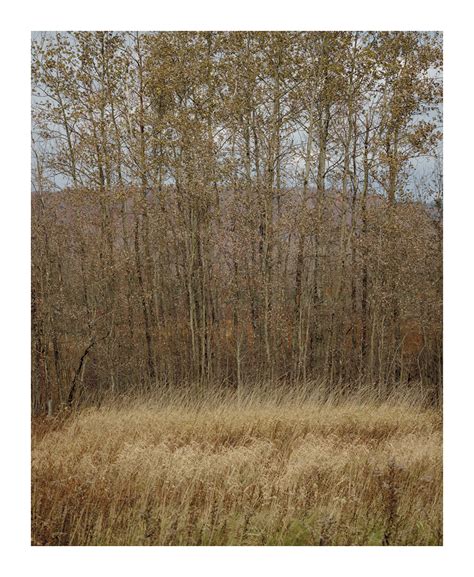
234	208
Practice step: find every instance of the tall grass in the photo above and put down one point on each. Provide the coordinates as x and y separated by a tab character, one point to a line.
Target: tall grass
268	468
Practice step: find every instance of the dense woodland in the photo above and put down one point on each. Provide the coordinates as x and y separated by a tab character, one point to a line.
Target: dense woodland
235	208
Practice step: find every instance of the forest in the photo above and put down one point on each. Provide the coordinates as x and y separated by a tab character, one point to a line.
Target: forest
235	208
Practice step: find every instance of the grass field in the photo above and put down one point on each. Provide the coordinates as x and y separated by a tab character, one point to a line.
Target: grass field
239	473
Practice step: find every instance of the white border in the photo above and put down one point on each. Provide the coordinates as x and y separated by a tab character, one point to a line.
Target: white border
19	21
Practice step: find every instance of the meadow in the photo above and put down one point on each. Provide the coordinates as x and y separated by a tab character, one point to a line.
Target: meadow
239	470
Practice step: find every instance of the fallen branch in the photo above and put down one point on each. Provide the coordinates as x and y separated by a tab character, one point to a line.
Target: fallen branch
75	380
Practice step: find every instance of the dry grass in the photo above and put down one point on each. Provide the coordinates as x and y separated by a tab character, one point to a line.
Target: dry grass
256	473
